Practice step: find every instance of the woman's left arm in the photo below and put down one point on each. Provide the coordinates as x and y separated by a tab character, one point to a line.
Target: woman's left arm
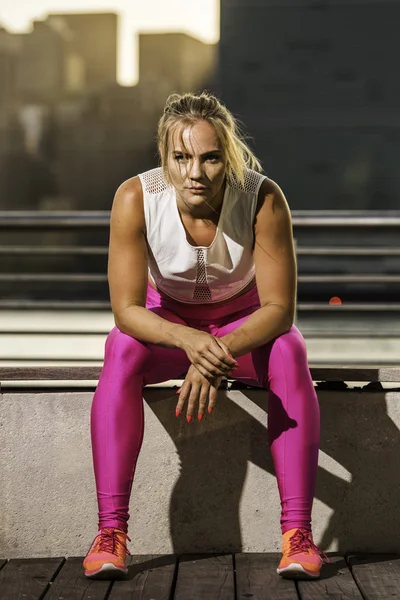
276	274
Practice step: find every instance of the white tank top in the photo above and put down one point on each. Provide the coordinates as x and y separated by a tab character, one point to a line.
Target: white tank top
200	274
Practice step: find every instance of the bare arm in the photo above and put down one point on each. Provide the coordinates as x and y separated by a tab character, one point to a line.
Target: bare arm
128	271
276	279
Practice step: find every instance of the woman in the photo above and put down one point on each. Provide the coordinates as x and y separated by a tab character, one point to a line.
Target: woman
202	277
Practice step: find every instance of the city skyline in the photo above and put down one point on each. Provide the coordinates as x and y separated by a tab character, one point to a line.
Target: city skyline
199	19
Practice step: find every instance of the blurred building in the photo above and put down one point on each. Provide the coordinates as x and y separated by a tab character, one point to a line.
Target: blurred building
318	88
9	52
173	62
94	41
42	65
108	136
77	134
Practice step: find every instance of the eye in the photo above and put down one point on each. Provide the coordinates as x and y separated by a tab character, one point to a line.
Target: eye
213	158
179	158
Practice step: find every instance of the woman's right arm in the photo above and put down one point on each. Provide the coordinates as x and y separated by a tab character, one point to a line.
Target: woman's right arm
128	279
128	271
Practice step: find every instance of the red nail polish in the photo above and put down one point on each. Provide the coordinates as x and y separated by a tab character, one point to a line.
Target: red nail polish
200	417
210	410
178	412
189	419
178	391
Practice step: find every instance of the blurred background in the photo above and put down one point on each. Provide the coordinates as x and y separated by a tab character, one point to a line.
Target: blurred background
316	84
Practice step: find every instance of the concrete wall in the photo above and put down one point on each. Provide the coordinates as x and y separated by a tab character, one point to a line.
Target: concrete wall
204	487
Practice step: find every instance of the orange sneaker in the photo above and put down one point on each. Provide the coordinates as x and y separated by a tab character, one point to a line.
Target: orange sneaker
301	558
106	556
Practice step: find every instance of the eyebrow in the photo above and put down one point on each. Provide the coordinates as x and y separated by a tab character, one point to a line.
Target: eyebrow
202	155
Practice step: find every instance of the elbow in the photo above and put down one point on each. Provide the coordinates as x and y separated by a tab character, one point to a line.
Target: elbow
119	321
286	317
122	319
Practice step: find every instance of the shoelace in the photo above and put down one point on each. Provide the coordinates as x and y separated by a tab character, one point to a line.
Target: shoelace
301	541
109	540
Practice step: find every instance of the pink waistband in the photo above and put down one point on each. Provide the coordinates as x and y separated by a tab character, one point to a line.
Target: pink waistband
247	302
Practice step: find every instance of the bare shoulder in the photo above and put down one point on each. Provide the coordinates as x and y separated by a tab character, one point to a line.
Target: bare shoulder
128	204
272	207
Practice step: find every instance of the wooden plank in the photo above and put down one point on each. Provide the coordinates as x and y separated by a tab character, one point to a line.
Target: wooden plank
256	578
336	582
351	373
21	579
205	576
71	584
49	373
377	575
3	561
355	373
149	578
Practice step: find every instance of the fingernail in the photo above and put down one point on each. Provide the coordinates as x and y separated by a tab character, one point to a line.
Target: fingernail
230	355
178	391
178	412
210	411
189	419
200	417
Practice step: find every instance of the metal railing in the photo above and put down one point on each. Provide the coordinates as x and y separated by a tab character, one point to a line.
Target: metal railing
383	227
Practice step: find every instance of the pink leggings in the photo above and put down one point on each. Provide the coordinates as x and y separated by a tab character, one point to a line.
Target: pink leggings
281	367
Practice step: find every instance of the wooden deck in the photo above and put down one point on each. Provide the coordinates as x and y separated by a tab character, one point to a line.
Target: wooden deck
205	577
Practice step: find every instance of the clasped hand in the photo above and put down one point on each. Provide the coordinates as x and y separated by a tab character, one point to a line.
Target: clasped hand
210	360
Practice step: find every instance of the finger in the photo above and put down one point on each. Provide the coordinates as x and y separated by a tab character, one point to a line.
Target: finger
214	366
223	353
183	394
212	399
206	373
220	367
203	397
192	400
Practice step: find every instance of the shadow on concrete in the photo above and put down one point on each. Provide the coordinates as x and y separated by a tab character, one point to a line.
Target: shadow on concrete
356	432
214	454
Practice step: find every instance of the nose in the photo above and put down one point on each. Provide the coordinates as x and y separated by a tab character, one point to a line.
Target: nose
195	169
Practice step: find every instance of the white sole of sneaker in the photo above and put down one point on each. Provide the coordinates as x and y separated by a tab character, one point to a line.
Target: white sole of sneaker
295	571
108	571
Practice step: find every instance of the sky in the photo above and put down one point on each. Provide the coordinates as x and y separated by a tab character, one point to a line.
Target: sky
199	18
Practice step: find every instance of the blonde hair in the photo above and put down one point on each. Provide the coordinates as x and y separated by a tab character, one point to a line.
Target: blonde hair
189	108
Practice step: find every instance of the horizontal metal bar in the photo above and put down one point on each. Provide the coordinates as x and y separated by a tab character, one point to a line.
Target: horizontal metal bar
52	219
347	307
94	278
56	305
103	250
349	278
53	250
53	277
82	219
348	251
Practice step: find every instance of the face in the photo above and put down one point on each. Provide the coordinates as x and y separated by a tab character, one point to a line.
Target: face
197	165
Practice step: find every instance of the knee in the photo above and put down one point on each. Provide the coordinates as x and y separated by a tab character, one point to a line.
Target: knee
292	347
123	349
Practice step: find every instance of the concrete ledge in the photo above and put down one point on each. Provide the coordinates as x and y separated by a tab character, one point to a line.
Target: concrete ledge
200	488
